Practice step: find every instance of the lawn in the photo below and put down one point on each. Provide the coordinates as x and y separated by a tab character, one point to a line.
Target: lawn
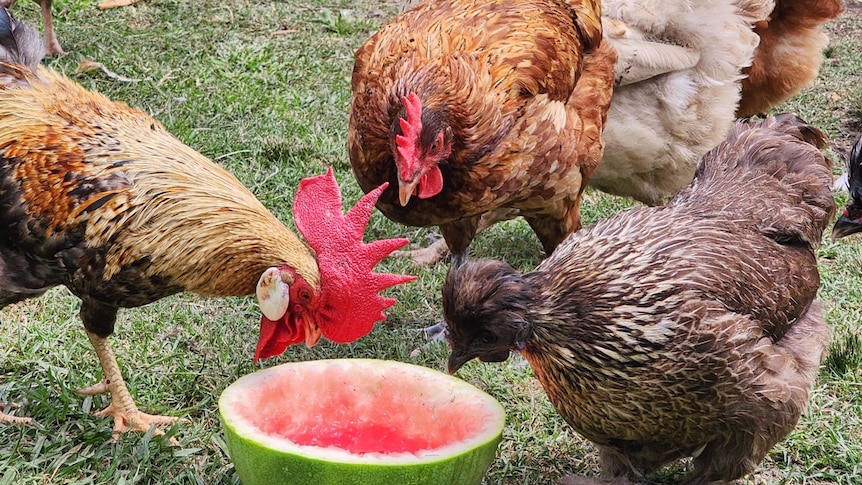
263	88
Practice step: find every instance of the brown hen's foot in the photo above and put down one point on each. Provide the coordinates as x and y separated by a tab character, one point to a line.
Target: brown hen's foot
52	45
429	256
123	409
53	48
9	419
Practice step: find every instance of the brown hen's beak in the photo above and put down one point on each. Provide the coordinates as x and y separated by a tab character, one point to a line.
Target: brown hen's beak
406	190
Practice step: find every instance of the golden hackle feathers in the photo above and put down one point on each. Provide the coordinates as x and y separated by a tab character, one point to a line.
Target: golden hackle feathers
157	194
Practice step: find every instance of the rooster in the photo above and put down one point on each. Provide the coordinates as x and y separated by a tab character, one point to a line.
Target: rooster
690	329
100	198
476	112
52	45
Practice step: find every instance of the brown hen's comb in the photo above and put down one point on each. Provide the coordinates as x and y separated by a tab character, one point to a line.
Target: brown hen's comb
410	128
349	301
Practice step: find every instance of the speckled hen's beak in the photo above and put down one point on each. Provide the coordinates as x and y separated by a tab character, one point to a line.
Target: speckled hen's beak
406	190
456	360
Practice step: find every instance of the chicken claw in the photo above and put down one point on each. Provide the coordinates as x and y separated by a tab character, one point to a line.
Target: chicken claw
9	419
100	387
427	256
127	416
131	419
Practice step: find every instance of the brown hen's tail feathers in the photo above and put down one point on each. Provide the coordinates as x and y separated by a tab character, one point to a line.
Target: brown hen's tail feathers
20	46
770	173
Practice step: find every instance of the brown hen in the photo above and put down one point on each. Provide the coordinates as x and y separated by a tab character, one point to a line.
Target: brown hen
487	109
690	329
100	198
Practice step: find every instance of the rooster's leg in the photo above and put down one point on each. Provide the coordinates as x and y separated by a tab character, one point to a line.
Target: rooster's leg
122	408
9	419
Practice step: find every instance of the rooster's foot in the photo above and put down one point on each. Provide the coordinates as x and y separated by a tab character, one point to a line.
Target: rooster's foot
9	419
131	419
97	388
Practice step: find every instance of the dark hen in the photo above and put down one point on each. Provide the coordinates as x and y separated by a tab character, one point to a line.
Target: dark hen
685	330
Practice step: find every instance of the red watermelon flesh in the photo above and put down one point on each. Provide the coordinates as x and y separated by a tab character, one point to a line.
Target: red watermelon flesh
370	415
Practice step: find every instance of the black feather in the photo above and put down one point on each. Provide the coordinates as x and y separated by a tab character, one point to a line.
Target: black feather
20	44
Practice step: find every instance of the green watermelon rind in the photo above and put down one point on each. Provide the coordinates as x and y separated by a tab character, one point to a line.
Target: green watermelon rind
286	463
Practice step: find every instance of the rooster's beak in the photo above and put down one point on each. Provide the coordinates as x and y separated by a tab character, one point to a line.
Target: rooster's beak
312	332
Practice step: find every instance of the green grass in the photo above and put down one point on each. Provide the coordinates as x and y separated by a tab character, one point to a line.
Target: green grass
263	88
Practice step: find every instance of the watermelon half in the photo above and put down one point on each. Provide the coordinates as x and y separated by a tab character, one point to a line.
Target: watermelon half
359	422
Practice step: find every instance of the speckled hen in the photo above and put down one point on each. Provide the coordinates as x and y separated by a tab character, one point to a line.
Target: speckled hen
691	329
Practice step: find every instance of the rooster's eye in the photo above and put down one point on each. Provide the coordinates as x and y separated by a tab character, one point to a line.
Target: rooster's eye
305	295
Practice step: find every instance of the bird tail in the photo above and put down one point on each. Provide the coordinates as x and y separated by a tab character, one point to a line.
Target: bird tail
21	50
788	58
771	173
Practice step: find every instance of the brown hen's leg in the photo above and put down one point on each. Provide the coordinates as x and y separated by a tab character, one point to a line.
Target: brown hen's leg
122	408
457	236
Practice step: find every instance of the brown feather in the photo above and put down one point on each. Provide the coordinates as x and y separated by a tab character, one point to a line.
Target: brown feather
668	332
525	87
112	177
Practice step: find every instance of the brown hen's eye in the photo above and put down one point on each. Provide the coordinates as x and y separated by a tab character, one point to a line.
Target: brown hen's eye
435	146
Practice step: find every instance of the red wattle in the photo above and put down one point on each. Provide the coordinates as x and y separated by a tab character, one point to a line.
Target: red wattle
431	183
276	336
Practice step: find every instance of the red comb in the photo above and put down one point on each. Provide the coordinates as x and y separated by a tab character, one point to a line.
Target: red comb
410	127
350	304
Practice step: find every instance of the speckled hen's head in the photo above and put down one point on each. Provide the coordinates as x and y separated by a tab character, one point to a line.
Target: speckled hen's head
347	304
421	139
485	304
